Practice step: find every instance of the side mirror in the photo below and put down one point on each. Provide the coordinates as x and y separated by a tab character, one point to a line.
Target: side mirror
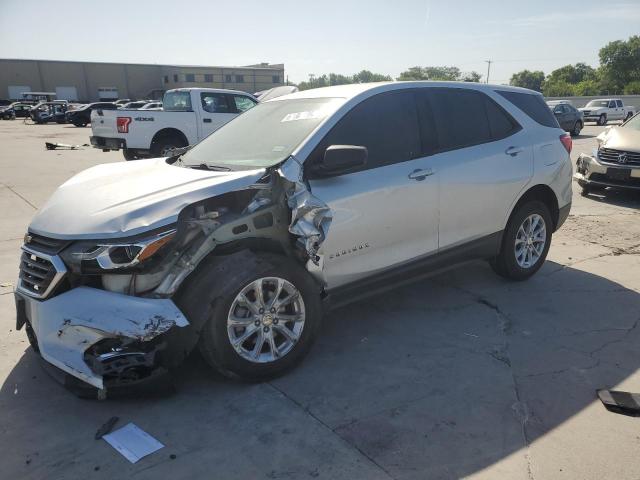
341	159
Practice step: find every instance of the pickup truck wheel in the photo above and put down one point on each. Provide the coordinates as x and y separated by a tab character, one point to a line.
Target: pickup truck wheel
130	154
162	146
260	314
525	242
629	115
577	128
80	124
602	120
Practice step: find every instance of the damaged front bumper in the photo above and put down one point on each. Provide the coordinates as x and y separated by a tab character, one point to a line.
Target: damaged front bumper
590	171
100	336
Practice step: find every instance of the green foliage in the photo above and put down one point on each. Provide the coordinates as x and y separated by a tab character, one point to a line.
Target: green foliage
572	73
620	62
632	88
331	79
528	79
557	88
587	87
439	73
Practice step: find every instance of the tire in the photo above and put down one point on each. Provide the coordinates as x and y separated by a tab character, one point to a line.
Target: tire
585	188
78	124
507	264
629	115
130	154
209	303
160	146
577	128
602	120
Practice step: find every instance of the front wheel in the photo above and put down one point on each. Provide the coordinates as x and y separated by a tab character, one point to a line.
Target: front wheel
629	115
602	120
130	154
525	242
260	320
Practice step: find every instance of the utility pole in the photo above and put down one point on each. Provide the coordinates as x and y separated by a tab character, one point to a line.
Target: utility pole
488	69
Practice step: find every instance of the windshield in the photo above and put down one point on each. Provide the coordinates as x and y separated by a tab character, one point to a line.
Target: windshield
634	123
598	103
262	136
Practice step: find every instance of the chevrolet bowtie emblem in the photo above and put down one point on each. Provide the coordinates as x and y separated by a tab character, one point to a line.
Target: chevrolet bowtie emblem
27	238
622	158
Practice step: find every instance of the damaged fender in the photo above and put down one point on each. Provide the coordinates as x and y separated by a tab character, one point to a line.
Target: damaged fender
70	323
310	216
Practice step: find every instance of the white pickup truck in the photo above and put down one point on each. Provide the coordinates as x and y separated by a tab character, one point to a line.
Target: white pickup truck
605	109
188	115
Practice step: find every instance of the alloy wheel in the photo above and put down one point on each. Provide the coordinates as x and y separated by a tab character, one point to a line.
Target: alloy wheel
266	320
531	239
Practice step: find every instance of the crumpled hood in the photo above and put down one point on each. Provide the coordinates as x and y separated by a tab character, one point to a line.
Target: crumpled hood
620	138
126	198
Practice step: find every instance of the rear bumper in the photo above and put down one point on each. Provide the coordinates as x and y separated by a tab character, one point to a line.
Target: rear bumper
107	143
98	336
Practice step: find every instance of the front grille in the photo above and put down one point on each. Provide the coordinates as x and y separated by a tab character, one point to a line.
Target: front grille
612	156
39	273
51	246
586	112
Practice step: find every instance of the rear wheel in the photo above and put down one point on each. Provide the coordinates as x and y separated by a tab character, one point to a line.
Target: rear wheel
602	120
130	154
577	128
525	242
257	323
162	146
629	115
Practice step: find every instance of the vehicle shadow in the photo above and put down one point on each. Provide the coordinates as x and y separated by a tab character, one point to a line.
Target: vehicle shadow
619	197
439	379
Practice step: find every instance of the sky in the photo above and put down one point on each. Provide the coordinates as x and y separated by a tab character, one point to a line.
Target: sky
321	36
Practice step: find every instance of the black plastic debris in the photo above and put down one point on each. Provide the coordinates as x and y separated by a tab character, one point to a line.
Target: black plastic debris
624	403
106	428
64	146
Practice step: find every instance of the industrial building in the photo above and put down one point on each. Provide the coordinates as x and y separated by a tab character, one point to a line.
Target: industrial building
94	81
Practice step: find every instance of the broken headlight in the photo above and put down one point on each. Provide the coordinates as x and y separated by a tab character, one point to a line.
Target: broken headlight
95	257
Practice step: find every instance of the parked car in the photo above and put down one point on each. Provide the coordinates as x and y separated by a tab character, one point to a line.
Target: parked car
152	106
616	163
7	112
240	244
20	109
45	112
606	109
81	117
188	115
569	117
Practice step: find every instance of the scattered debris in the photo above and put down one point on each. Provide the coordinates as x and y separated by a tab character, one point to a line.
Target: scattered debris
64	146
624	403
132	442
106	428
6	284
173	456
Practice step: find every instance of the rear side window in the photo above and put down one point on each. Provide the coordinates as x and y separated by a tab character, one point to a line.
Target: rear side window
215	102
619	103
464	118
387	124
533	105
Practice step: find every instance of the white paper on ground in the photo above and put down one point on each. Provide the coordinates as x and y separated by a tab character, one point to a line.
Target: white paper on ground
132	442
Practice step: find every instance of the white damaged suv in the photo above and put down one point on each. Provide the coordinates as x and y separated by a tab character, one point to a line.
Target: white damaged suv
302	203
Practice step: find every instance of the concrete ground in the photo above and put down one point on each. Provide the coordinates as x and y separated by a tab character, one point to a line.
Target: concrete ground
462	375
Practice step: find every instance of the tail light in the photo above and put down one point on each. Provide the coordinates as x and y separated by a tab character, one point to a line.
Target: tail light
566	142
123	124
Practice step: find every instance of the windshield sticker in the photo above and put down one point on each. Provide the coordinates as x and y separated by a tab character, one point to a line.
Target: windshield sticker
292	117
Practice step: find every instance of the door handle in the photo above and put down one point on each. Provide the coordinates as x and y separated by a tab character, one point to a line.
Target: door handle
513	151
206	120
421	174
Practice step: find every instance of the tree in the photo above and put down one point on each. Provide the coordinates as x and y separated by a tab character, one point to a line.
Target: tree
339	79
587	87
632	88
439	73
573	73
620	62
528	79
557	88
